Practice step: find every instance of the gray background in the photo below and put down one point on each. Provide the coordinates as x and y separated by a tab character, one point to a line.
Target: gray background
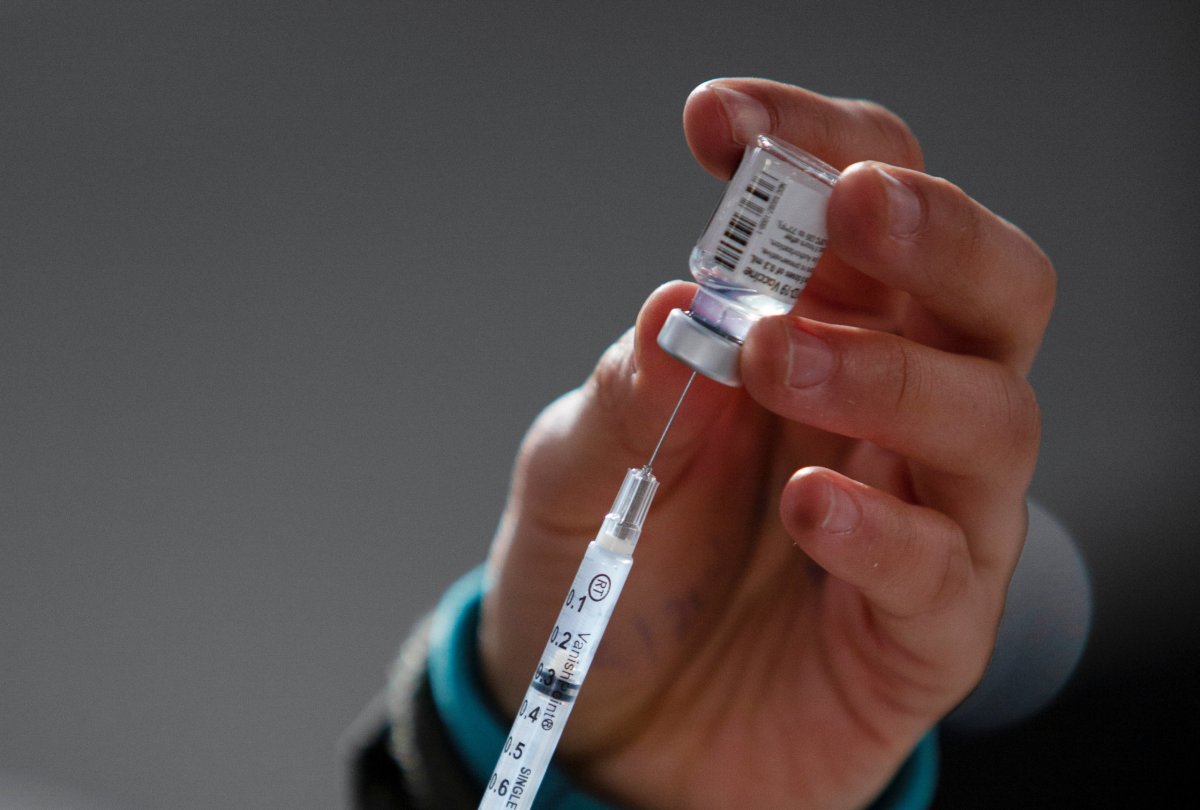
282	285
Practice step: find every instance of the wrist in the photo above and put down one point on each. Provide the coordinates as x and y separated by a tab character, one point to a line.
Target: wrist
473	723
478	731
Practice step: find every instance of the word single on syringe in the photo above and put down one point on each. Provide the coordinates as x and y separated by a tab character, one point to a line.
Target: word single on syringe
584	615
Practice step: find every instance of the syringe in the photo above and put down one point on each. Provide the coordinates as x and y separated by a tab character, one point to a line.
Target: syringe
581	623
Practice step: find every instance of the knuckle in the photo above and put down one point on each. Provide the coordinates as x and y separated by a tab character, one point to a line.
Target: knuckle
953	243
1038	287
609	383
907	378
948	581
1023	417
826	127
962	255
608	394
1016	424
935	574
893	131
1044	284
968	230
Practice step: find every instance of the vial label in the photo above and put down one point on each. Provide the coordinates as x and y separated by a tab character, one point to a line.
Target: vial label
764	239
773	236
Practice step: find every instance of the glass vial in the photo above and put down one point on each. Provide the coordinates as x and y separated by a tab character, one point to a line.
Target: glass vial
754	257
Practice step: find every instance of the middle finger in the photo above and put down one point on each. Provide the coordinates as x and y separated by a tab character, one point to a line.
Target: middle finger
981	284
956	414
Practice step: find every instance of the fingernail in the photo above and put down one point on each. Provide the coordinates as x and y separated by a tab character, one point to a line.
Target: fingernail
810	360
747	116
904	206
841	511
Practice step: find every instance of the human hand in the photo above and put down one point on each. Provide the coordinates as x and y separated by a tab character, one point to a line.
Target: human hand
824	568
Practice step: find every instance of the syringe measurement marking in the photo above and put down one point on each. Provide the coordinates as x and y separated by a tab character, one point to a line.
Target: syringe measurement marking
560	672
554	678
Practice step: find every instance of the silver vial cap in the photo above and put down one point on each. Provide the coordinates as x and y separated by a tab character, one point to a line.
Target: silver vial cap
694	344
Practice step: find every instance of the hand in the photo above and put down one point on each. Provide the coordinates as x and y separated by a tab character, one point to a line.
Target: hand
822	574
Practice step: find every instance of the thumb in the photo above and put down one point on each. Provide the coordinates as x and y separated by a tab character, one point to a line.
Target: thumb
614	420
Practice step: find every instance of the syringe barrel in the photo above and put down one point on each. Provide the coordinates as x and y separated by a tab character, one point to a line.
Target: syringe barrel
564	663
570	649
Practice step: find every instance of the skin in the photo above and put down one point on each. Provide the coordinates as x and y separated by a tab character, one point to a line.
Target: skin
823	571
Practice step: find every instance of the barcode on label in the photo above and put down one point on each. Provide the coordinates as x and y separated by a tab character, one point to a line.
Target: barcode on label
746	219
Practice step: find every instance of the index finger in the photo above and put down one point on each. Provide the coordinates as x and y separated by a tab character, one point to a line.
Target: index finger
722	116
982	285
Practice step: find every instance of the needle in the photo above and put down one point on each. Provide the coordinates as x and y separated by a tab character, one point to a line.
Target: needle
670	421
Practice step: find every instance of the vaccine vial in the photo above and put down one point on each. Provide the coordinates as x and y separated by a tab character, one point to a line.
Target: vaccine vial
754	257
